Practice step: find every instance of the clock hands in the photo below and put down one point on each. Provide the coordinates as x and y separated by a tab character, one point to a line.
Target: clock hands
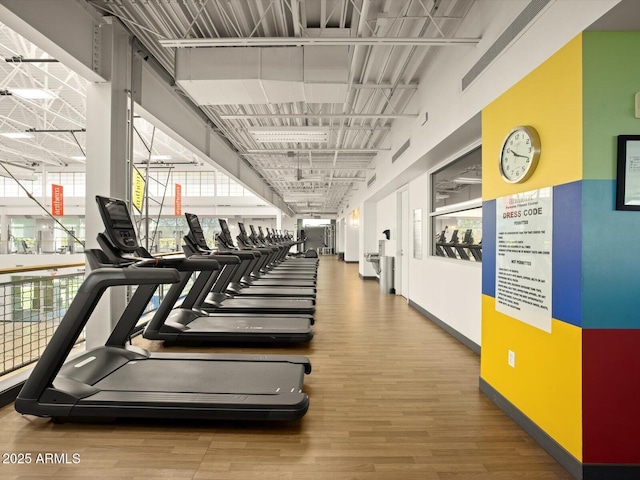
517	154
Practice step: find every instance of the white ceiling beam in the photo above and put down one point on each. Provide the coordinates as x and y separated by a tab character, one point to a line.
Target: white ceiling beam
67	32
325	41
309	169
162	106
338	116
280	151
383	86
295	15
302	128
19	154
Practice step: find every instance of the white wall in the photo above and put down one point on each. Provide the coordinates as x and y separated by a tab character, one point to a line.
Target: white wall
387	219
290	224
340	236
351	240
449	289
367	238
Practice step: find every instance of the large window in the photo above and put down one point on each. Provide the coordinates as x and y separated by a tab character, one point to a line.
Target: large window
73	183
456	214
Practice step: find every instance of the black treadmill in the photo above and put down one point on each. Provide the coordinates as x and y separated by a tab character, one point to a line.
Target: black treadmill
117	380
272	267
190	323
285	264
195	243
253	277
221	302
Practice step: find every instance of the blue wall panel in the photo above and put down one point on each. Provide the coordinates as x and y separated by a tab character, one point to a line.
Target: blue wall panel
567	253
611	259
489	248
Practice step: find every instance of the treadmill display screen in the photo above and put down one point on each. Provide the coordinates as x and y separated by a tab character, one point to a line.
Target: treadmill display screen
197	233
226	234
118	213
194	223
242	229
119	227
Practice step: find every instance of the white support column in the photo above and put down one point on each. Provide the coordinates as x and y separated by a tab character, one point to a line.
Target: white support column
107	168
4	225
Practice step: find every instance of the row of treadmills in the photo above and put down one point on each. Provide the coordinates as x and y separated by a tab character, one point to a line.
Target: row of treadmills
256	294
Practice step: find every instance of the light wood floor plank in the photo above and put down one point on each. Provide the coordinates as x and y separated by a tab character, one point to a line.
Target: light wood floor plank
392	397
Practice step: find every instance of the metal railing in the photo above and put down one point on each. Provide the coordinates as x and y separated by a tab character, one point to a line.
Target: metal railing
30	311
32	305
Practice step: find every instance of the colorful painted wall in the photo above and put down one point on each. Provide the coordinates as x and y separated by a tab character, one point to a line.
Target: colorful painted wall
577	383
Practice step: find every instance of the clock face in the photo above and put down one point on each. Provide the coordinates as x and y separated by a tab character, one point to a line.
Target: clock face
520	153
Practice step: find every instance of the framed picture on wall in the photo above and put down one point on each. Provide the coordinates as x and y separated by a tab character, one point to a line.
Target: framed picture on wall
628	184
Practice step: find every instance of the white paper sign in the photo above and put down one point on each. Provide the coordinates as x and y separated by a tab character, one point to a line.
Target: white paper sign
524	225
632	174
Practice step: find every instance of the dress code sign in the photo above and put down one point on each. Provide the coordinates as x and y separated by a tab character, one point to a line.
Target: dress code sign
524	225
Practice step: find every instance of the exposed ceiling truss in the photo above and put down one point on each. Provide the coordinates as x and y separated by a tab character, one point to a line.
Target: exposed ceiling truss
390	45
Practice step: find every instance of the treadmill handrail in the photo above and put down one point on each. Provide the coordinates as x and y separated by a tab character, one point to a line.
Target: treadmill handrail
77	316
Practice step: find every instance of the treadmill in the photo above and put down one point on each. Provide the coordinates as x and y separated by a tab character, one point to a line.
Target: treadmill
119	380
268	268
225	243
195	243
189	323
286	263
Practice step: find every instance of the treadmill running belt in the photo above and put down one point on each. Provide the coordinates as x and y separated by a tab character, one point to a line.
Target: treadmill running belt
239	378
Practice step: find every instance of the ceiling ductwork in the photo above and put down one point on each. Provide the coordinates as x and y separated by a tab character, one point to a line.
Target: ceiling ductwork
263	75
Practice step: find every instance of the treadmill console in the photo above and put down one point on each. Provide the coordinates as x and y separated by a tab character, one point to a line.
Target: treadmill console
195	229
253	235
118	224
226	233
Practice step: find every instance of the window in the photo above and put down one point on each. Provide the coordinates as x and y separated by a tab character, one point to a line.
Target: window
222	185
73	183
235	189
192	184
456	214
207	184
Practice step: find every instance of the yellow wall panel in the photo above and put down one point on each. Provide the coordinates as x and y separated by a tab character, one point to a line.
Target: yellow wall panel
550	100
546	383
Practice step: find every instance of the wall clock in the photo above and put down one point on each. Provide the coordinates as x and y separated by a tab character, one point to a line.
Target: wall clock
520	154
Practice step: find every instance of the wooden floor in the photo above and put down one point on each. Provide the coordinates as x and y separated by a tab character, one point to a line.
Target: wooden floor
392	397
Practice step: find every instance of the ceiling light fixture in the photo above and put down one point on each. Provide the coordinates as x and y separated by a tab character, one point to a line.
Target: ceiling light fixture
161	157
468	180
16	135
33	93
80	158
289	134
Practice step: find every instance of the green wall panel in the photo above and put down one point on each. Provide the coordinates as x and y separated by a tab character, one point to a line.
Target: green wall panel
611	77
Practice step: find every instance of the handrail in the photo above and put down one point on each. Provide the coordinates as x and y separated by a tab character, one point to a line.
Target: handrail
56	266
35	268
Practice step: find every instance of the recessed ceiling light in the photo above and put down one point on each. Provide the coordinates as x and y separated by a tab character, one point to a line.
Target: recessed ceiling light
33	93
16	135
161	157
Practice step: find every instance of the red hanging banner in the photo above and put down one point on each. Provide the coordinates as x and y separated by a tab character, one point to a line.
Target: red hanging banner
177	201
57	201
